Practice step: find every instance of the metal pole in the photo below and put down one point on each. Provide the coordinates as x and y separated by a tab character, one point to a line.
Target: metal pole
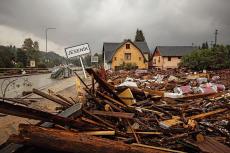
216	32
46	45
83	68
46	31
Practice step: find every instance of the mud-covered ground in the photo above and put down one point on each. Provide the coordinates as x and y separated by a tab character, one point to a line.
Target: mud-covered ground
9	124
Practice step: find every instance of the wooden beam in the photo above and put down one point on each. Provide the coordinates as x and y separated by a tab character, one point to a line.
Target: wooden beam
54	99
204	115
147	133
31	113
67	141
98	132
114	114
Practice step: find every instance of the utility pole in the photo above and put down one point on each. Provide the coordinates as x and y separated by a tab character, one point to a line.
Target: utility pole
46	31
216	33
211	44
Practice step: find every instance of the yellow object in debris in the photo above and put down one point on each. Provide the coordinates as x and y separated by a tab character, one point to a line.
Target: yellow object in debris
127	97
171	122
191	124
78	85
108	108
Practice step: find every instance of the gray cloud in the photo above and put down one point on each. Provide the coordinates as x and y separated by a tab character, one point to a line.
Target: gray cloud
164	22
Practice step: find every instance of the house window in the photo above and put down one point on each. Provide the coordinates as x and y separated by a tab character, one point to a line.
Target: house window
159	59
169	58
127	56
139	58
154	61
127	46
115	58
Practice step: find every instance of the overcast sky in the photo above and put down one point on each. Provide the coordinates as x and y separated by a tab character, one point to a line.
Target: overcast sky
164	22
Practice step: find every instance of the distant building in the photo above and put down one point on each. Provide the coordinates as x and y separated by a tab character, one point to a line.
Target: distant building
168	57
116	54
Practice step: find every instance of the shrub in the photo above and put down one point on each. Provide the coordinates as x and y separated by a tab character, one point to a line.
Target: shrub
210	59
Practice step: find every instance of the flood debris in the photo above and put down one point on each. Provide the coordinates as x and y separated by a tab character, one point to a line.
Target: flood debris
135	111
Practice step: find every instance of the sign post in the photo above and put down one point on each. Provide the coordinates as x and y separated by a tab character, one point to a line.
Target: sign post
83	68
78	51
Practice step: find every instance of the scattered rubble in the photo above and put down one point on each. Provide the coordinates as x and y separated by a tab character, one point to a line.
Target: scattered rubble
134	111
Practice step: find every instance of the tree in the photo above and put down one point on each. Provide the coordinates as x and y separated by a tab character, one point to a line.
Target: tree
28	44
6	57
31	49
36	45
21	57
139	36
209	59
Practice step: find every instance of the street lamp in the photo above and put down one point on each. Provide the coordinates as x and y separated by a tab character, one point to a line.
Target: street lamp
46	31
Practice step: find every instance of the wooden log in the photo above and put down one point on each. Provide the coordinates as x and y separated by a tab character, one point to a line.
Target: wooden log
113	114
64	98
98	132
54	99
147	133
31	113
204	115
61	97
67	141
19	101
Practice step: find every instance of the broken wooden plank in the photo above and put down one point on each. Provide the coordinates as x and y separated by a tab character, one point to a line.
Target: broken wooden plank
54	99
18	101
67	141
114	114
64	98
204	115
31	113
12	147
98	132
147	133
133	131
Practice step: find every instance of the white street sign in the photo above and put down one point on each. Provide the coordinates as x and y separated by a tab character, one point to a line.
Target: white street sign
77	50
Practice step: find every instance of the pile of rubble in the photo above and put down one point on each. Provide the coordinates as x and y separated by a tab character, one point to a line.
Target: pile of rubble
135	111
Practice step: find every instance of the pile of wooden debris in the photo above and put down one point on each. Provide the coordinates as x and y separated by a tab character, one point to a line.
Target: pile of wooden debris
138	111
